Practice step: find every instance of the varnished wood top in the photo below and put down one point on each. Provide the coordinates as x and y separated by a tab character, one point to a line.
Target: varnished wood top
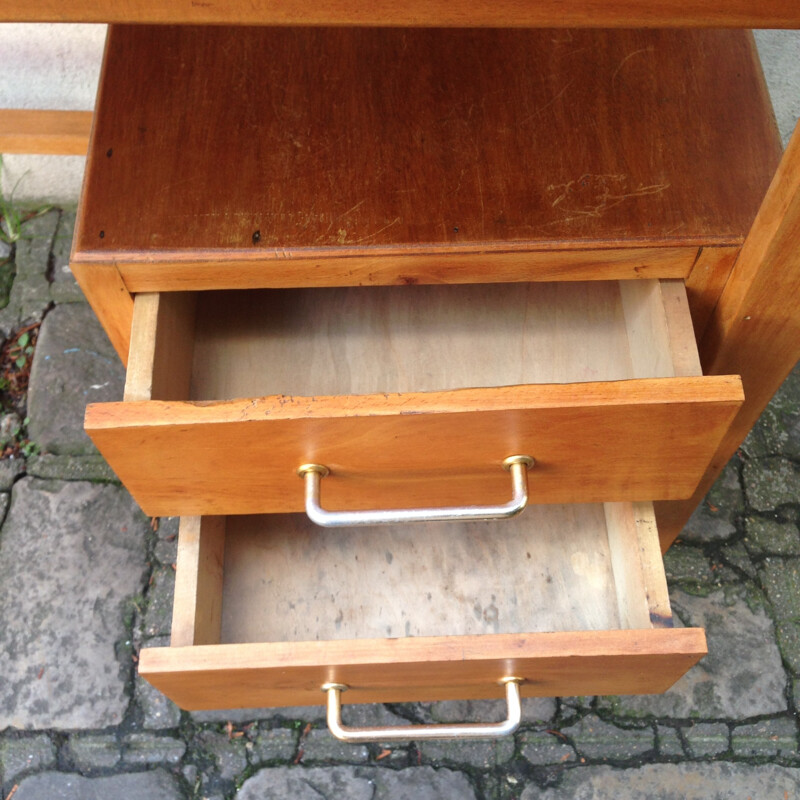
453	13
274	143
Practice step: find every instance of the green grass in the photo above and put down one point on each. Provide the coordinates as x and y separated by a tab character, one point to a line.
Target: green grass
12	217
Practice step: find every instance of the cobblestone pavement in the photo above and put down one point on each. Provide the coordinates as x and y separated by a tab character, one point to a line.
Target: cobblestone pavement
86	580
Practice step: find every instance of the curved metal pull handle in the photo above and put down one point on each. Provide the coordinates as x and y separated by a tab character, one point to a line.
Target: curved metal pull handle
405	733
312	474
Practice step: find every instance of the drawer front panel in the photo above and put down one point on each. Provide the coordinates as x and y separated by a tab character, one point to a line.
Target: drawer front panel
592	442
404	670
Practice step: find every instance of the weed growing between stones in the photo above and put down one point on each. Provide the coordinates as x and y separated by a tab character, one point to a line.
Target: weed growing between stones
16	357
12	217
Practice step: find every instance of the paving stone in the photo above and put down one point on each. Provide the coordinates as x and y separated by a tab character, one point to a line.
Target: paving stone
7	273
5	502
143	748
94	752
228	755
158	616
738	556
64	786
778	428
64	288
274	744
29	295
683	563
713	520
596	739
361	715
781	581
769	738
689	781
159	712
542	747
789	643
87	467
74	364
356	783
482	755
707	739
771	482
70	556
534	709
742	675
772	536
575	703
240	716
22	755
669	741
36	243
166	549
319	745
190	773
10	470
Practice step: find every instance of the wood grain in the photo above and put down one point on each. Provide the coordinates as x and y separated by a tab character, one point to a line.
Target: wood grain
381	267
197	603
162	345
406	669
456	13
647	330
549	569
755	327
419	448
423	143
357	340
706	281
110	301
680	331
638	570
60	133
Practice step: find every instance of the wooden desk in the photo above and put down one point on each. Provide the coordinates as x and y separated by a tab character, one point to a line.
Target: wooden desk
747	322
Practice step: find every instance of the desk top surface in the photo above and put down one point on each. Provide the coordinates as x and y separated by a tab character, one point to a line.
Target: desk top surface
340	142
445	13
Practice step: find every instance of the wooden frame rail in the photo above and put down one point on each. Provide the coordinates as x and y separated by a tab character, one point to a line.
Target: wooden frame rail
444	13
453	13
62	133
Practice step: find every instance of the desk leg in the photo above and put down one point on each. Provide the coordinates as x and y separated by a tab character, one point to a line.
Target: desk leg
755	329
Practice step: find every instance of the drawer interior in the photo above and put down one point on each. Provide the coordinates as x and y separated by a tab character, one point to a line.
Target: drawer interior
279	578
571	599
357	340
550	569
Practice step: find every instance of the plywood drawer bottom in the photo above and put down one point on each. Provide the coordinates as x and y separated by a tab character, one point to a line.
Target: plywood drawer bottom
572	599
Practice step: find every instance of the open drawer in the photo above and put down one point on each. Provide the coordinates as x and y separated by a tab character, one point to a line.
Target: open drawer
570	599
412	396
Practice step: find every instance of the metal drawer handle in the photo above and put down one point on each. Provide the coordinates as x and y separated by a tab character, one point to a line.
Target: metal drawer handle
394	733
312	474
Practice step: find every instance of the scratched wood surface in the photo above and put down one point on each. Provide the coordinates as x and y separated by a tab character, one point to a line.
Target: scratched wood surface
336	144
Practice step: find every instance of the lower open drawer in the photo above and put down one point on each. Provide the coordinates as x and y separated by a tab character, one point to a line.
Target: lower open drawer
572	599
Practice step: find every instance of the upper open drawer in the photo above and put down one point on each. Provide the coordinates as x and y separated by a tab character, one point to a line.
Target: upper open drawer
262	157
412	396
